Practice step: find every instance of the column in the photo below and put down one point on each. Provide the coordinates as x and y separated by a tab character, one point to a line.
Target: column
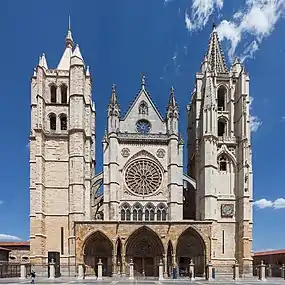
52	270
80	271
23	271
262	271
114	263
160	270
209	271
123	264
131	277
100	271
165	265
236	271
191	270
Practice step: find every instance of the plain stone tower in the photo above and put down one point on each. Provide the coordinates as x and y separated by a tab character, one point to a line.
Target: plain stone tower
62	154
219	156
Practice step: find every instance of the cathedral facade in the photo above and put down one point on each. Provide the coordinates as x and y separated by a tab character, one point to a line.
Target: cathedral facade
142	207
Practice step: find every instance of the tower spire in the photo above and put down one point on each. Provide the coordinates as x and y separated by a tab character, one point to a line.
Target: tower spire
215	55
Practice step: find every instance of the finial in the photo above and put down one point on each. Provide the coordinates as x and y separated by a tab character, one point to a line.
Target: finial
68	39
172	90
143	80
214	26
114	88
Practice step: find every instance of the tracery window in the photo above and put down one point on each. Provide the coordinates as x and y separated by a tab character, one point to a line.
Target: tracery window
137	213
161	213
143	177
143	108
126	213
149	213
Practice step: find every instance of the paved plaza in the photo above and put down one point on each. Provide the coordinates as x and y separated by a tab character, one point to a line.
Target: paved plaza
270	281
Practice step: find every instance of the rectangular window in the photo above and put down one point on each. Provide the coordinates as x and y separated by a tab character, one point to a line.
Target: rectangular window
62	241
223	241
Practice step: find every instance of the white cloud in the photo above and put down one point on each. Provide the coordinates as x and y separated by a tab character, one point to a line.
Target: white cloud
255	21
201	10
4	237
255	123
263	203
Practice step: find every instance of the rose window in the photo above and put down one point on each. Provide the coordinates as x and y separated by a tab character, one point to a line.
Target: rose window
143	177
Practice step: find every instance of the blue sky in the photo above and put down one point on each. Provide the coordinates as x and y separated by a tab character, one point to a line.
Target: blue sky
164	39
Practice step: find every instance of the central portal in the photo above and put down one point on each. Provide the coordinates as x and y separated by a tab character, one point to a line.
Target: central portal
145	249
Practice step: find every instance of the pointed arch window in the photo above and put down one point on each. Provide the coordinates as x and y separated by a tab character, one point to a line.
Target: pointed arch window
63	122
149	213
222	162
137	213
222	95
143	108
52	122
126	212
53	93
63	91
222	127
161	213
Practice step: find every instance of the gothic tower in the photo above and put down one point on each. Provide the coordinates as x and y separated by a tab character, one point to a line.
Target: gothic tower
62	154
219	155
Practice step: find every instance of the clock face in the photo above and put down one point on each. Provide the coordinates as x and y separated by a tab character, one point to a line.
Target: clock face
143	126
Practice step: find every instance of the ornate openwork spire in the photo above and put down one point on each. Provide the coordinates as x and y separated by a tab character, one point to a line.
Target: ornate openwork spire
215	55
172	101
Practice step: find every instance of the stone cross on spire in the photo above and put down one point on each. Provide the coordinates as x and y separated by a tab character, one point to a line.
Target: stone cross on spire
143	81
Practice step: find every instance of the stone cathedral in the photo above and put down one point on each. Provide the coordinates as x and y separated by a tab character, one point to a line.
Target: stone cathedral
142	206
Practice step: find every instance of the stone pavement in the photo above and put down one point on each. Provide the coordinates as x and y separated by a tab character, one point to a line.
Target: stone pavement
250	281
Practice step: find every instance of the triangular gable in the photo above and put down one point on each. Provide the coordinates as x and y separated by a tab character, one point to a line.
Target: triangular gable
147	98
132	115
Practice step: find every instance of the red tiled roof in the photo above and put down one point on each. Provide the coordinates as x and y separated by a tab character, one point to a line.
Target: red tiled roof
14	243
6	249
270	252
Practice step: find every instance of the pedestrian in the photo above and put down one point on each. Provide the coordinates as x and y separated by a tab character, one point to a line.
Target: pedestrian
33	277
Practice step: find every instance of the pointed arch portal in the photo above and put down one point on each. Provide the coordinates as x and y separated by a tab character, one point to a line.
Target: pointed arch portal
146	249
190	245
98	246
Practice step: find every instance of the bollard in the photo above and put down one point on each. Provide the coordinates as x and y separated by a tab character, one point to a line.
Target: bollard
100	269
236	271
52	269
80	271
131	277
23	271
283	271
262	271
191	270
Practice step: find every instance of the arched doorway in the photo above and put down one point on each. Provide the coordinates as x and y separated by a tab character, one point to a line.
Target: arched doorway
98	246
146	249
190	245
